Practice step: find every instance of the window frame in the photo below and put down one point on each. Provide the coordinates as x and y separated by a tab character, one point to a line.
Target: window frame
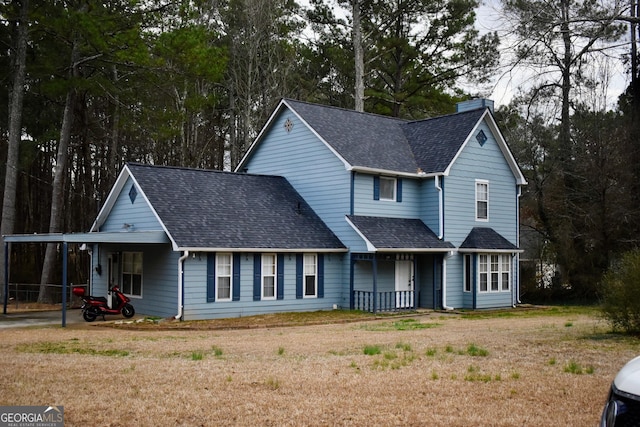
305	275
124	272
394	188
482	184
494	272
220	273
265	274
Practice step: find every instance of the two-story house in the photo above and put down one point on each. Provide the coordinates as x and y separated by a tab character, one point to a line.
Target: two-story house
329	208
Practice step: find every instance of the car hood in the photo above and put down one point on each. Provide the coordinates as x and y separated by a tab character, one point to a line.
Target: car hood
628	379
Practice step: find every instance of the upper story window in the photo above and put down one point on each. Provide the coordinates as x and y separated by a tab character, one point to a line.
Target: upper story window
132	273
387	188
482	200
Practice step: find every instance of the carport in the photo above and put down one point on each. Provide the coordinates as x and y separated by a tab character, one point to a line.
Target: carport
64	239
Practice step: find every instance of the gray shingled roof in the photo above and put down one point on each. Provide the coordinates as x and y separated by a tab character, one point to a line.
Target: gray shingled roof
436	141
380	142
398	233
486	238
213	209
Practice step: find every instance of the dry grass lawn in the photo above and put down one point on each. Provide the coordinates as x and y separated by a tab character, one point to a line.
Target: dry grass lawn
515	368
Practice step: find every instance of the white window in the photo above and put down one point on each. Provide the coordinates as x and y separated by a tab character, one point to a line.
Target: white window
269	271
388	188
223	277
505	270
132	273
482	273
468	273
494	272
482	200
310	276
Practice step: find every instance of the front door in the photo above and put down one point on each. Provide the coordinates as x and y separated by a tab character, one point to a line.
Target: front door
404	284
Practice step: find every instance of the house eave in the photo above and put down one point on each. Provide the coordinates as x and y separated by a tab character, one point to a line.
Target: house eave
263	250
152	237
491	251
376	171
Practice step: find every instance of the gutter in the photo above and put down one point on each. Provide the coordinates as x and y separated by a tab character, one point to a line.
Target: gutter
444	281
180	283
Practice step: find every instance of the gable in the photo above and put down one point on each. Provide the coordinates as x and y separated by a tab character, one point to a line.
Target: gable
126	210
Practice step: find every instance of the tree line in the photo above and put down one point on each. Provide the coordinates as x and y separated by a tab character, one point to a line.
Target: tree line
91	85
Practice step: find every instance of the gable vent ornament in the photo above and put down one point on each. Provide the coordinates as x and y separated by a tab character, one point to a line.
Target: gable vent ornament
288	125
133	193
481	137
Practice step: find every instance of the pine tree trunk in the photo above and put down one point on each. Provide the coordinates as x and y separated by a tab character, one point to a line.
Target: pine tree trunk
57	199
15	133
358	57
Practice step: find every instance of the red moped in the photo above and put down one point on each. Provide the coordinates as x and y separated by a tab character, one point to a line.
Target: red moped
93	307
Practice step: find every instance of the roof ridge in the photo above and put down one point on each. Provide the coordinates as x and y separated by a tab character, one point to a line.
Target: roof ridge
348	110
445	116
203	170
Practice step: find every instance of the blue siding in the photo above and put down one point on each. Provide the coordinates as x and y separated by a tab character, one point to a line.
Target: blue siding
429	207
197	307
485	163
159	277
311	168
137	213
366	205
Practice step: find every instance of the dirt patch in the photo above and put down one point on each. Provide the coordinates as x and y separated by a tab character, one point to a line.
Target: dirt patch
495	369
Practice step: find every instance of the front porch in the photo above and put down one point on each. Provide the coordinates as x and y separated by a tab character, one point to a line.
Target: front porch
389	282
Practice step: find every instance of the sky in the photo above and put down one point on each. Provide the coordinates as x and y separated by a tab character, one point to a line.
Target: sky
613	75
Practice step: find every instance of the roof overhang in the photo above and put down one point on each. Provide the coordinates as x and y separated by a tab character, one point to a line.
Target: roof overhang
489	251
265	250
93	237
374	171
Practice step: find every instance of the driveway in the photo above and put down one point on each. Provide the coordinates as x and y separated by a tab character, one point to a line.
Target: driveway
39	318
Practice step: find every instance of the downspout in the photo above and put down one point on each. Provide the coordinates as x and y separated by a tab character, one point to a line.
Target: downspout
180	283
517	257
440	207
444	281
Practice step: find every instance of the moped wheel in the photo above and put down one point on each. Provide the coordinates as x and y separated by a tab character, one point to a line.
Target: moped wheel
89	315
128	311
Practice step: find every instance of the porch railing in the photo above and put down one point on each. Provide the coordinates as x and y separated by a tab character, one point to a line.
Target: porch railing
385	301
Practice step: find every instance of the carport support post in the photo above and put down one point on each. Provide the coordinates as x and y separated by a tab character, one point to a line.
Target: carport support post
6	277
64	284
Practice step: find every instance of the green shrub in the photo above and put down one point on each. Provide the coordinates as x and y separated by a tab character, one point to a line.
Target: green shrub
621	293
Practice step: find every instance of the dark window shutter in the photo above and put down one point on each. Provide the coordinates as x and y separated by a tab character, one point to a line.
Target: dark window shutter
376	188
211	277
320	275
280	282
399	190
299	274
236	277
257	276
